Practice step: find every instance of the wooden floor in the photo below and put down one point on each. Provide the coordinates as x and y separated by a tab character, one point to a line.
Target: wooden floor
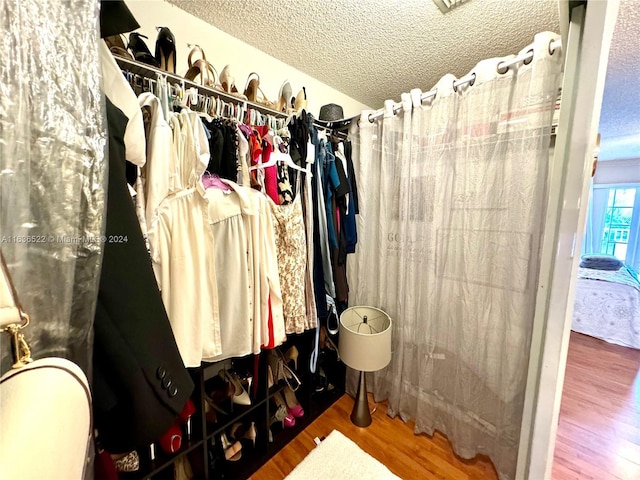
391	441
599	428
598	432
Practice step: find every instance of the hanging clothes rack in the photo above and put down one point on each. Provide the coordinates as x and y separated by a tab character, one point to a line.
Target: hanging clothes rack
145	71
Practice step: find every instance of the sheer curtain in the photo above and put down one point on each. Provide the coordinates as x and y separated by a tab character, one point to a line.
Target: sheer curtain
596	216
450	227
595	220
633	246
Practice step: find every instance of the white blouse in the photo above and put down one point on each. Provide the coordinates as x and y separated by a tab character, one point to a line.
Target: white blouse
183	251
246	262
229	213
184	264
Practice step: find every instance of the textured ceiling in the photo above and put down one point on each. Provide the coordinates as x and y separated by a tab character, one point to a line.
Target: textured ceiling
373	50
620	116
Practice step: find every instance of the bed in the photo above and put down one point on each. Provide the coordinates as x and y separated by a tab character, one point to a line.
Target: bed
607	305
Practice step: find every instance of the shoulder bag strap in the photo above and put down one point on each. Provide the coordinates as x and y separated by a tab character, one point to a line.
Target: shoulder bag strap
12	317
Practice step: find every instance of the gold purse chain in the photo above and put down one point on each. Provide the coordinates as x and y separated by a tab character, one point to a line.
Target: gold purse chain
21	350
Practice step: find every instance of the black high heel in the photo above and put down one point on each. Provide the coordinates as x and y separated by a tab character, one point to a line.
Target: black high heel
166	50
140	50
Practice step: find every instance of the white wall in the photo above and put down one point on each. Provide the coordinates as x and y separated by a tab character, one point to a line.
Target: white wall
222	49
618	171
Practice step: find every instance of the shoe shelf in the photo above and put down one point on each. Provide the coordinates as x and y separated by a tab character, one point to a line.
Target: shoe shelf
152	73
205	447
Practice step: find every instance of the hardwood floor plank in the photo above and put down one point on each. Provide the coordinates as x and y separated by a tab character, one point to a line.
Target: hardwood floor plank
389	440
599	426
598	432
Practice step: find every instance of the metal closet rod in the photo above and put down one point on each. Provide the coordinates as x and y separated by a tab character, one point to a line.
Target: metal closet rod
503	67
150	72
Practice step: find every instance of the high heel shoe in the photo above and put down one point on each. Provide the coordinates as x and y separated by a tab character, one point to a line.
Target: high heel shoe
291	355
300	101
171	440
228	83
201	68
240	396
210	414
166	50
140	50
283	413
293	406
232	451
284	96
281	370
240	431
117	47
270	379
252	88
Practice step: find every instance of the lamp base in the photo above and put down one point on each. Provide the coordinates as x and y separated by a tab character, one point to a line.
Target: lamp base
360	415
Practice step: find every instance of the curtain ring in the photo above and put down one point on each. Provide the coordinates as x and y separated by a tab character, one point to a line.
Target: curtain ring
371	120
473	80
551	49
527	61
502	70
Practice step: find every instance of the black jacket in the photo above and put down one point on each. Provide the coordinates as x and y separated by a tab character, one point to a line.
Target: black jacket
140	383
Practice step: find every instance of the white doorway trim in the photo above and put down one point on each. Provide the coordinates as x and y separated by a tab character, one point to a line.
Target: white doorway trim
586	56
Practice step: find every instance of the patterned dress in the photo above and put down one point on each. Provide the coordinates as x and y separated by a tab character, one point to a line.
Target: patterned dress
291	244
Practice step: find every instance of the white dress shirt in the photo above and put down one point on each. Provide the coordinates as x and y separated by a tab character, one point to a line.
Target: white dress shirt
115	86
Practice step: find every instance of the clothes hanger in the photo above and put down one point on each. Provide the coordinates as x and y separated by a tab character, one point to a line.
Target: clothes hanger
213	180
277	156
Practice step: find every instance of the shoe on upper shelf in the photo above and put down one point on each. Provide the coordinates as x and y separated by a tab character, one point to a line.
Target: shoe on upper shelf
166	50
140	50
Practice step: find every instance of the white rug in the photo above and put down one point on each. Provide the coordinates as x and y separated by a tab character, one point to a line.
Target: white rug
338	458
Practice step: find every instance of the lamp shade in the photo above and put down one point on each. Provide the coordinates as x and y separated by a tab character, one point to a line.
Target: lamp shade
365	338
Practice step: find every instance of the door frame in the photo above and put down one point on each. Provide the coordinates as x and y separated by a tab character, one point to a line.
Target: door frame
586	50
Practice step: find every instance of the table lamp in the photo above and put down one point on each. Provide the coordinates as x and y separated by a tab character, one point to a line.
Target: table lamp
365	345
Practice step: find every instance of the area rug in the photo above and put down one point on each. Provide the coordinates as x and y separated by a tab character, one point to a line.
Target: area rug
338	458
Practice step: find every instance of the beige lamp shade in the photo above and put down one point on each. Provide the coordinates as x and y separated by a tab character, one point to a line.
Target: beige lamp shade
365	338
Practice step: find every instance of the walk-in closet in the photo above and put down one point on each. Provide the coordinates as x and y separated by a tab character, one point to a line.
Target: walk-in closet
295	240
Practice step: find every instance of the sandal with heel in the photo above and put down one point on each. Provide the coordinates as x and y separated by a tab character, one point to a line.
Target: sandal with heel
140	51
288	420
117	47
201	68
252	88
293	406
232	451
281	371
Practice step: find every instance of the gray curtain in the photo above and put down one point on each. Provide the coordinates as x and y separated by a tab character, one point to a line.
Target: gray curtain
452	201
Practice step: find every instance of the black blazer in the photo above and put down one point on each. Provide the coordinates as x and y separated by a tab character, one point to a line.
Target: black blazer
140	383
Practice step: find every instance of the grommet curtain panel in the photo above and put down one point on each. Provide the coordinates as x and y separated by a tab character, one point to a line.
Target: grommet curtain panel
450	229
52	170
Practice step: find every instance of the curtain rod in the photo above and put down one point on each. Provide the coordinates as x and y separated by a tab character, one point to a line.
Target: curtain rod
502	68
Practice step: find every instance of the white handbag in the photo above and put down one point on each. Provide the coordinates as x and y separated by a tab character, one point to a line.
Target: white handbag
45	406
